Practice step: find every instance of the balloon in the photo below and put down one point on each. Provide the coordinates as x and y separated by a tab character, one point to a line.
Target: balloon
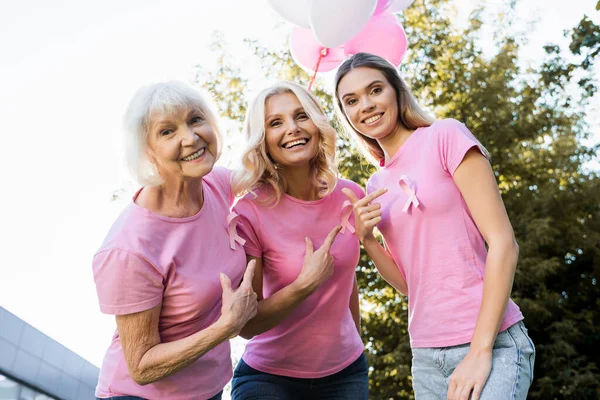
382	5
336	21
398	5
294	11
383	36
306	51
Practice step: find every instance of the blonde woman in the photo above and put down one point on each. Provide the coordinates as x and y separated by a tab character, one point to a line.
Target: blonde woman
438	205
304	340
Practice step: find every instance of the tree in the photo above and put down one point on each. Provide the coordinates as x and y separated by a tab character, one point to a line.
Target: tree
532	122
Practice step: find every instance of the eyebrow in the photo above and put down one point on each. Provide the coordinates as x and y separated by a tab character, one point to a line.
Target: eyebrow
296	111
375	82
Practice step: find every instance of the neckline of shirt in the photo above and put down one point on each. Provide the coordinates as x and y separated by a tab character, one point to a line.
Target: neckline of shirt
305	202
152	214
402	148
312	202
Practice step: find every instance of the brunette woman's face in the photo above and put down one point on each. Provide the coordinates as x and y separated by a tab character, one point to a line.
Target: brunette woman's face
369	102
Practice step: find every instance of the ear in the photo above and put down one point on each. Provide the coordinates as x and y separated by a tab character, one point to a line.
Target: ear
151	156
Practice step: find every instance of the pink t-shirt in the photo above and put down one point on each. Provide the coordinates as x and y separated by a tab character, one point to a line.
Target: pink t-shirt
319	337
431	235
147	259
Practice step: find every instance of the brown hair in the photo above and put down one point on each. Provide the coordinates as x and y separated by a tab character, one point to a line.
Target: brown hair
410	114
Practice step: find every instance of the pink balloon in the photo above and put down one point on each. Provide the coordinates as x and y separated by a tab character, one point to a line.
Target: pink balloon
306	51
383	36
382	5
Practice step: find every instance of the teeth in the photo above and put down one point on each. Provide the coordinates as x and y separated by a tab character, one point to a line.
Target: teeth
295	142
372	119
195	155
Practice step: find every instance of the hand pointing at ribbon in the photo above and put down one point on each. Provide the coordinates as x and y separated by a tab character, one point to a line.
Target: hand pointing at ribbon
318	264
366	215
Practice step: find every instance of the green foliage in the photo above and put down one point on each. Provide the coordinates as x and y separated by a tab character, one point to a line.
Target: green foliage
532	122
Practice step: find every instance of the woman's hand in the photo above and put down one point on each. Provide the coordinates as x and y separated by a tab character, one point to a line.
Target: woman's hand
366	215
239	305
470	376
318	265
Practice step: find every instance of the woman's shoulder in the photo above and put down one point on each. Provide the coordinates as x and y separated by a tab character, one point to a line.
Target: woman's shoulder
448	126
220	178
349	184
256	199
128	231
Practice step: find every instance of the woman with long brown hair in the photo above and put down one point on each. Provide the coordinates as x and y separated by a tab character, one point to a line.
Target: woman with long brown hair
437	207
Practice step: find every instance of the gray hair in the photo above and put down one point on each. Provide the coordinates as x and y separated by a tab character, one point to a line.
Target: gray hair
160	98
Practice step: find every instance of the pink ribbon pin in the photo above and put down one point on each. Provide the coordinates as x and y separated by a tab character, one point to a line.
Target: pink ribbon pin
346	211
409	189
232	220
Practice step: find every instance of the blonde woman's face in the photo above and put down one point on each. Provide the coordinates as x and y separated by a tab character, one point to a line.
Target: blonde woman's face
292	138
369	102
182	144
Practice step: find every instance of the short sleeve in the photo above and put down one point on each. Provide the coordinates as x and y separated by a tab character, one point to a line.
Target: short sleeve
248	227
454	141
358	191
126	283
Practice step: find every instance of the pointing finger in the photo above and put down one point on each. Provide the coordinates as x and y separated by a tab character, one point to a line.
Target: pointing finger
225	282
371	196
331	237
350	195
309	247
249	274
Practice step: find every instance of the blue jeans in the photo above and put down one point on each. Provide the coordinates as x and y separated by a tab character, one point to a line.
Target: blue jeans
215	397
351	383
513	357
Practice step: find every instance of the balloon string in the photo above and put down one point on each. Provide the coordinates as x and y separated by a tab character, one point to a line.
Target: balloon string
312	80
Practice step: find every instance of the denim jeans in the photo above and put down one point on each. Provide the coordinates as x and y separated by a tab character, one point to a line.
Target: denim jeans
351	383
215	397
513	358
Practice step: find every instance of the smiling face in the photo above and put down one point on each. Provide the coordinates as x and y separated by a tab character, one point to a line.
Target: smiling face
292	138
182	144
369	102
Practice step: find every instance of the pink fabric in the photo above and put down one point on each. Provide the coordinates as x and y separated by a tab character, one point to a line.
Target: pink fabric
432	237
319	338
147	259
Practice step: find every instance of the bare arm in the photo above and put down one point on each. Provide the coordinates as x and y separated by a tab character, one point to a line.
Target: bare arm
149	360
317	268
386	266
366	216
355	306
475	180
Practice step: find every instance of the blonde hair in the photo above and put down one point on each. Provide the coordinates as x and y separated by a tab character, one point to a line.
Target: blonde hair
257	168
410	115
166	98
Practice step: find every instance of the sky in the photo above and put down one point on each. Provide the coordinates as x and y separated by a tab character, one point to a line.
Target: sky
67	70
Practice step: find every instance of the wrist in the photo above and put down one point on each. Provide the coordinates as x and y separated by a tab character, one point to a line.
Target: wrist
226	326
481	348
367	239
302	287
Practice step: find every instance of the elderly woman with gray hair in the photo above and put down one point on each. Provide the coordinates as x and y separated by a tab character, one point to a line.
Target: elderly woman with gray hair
168	265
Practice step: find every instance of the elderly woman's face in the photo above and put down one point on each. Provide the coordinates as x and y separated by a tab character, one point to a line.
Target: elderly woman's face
182	144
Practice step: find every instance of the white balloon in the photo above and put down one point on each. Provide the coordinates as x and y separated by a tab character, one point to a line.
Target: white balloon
334	22
399	5
294	11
